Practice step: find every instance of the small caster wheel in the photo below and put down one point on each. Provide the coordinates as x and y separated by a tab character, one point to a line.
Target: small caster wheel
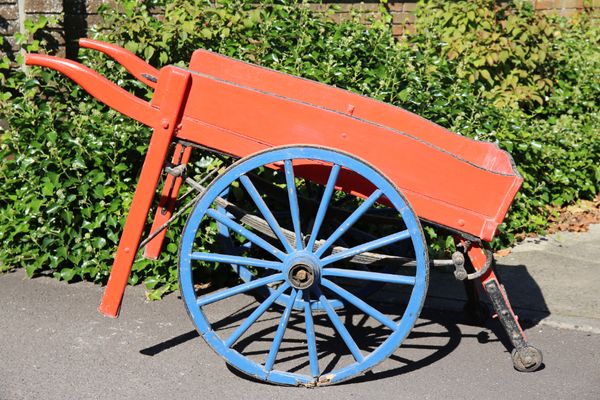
527	359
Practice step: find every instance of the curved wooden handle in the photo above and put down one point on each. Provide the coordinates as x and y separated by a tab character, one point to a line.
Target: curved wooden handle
100	87
132	63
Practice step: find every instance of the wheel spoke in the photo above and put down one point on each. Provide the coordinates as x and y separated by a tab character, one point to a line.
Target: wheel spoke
323	206
311	339
257	240
351	220
339	326
285	317
294	209
360	304
262	206
362	248
229	259
255	315
244	287
370	276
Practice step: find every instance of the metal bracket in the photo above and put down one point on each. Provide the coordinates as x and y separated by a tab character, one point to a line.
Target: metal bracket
151	78
458	259
489	259
176	171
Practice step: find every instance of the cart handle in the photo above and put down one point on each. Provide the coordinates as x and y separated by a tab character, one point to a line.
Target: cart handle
137	67
100	87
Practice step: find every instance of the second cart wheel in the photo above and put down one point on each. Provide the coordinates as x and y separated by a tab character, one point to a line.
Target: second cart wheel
303	347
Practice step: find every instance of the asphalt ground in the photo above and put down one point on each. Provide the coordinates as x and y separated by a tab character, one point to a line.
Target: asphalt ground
55	345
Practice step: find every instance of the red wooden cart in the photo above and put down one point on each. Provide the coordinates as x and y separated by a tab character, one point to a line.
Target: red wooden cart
321	211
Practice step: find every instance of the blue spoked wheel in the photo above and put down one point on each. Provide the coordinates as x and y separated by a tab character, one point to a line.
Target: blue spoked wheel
313	344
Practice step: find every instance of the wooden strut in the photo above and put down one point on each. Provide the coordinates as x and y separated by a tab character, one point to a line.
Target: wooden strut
177	82
172	184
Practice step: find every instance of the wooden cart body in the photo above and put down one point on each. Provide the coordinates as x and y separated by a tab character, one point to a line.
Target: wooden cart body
239	108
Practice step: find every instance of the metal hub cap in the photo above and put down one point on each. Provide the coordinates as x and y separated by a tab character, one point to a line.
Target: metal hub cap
301	276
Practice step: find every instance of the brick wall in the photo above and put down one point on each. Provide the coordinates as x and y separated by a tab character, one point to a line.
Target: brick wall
9	22
76	16
403	12
73	17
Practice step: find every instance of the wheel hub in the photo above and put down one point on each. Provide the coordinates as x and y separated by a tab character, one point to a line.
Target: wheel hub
301	276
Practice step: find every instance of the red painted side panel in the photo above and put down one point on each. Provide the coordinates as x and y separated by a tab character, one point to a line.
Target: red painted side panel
441	186
483	154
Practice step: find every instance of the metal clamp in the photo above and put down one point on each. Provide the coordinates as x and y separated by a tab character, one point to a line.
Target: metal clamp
458	259
176	171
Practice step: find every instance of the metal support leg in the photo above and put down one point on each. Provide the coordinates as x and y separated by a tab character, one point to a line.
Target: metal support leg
525	357
476	310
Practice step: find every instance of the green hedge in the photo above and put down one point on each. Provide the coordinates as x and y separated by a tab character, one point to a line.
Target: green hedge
525	81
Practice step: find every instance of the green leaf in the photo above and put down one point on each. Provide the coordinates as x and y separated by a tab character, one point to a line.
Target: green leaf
206	33
148	52
486	75
172	248
67	274
30	270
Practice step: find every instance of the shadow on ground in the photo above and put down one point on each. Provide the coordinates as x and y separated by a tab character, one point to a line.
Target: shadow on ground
524	293
435	336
